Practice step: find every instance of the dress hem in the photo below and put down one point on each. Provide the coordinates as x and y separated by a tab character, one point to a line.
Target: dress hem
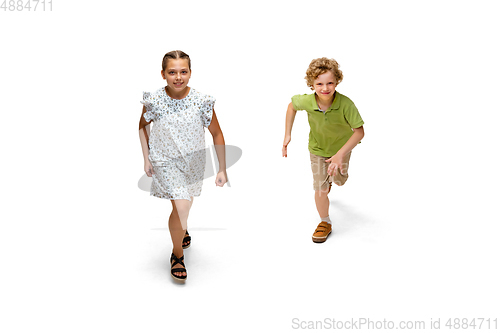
161	196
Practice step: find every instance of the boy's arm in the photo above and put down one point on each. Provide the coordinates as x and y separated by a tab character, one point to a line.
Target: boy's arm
290	117
355	138
337	159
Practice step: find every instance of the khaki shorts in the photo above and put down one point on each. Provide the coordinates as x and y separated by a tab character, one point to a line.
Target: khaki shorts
321	179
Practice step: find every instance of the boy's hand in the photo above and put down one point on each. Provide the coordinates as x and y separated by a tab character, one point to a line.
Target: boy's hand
336	165
285	144
148	168
221	178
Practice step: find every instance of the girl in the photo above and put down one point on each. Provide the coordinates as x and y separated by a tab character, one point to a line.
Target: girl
174	149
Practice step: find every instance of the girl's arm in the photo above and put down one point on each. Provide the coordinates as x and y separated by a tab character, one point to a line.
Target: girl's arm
337	159
144	137
290	117
220	149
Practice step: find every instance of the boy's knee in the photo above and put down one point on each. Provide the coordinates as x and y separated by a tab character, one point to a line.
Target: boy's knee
323	191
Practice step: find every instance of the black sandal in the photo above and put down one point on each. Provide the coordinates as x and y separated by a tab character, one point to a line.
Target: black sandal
187	238
177	270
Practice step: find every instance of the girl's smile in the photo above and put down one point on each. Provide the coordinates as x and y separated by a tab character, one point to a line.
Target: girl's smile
177	75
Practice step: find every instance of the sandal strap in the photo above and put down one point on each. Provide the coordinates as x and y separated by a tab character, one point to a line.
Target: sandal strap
179	270
186	238
176	261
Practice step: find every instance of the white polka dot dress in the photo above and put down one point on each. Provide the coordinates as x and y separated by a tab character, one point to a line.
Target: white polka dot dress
177	142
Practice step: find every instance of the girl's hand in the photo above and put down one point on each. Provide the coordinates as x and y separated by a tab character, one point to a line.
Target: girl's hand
148	168
336	165
285	144
221	178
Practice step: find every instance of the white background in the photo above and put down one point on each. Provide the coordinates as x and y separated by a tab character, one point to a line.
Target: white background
415	228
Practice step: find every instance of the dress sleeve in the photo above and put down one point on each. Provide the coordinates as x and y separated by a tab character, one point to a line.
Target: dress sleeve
143	122
150	111
207	110
148	114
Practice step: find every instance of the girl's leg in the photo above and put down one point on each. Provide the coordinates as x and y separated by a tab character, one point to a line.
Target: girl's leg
177	223
191	204
182	208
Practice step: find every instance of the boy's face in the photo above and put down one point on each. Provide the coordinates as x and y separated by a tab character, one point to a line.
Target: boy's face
324	85
177	74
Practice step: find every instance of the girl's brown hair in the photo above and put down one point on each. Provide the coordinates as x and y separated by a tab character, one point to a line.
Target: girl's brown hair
177	54
320	66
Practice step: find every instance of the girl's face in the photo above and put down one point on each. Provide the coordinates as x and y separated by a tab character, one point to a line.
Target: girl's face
324	85
177	74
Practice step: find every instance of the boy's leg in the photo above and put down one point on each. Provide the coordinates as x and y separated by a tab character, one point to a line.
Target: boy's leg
321	184
324	228
341	177
322	201
321	192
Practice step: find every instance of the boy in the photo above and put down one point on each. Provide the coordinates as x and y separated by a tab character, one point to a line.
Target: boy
336	128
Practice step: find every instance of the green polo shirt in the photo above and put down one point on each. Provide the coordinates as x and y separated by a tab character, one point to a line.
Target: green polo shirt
331	129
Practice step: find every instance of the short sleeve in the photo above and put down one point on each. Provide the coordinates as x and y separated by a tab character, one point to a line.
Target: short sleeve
297	102
353	117
151	107
207	110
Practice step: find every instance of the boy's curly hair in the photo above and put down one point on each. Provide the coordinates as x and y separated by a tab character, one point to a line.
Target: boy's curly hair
320	66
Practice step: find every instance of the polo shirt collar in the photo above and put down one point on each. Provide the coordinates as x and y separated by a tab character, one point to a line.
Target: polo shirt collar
335	104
